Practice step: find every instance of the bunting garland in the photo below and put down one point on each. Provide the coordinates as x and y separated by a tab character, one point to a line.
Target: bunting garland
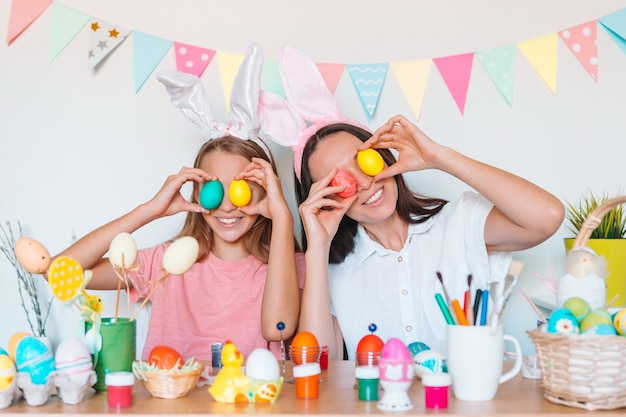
368	78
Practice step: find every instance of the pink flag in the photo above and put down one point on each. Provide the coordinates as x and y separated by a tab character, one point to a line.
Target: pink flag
455	71
331	73
192	59
23	13
581	40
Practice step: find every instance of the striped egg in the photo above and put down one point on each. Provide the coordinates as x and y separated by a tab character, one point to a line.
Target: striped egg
73	359
7	372
33	357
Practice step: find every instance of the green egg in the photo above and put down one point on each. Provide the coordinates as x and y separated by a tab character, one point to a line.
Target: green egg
211	195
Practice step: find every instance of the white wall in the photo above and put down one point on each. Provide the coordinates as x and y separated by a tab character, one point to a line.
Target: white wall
79	148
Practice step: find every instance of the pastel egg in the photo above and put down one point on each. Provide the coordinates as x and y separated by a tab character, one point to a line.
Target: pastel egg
211	195
33	357
72	358
595	317
13	342
429	361
562	321
181	255
239	193
123	250
262	365
619	321
417	347
395	349
65	277
345	179
370	161
32	255
601	329
7	372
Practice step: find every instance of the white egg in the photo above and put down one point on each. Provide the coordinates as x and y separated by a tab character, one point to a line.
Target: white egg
181	255
123	250
262	365
73	359
32	255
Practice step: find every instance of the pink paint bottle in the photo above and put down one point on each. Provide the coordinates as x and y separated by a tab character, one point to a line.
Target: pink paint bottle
119	389
436	389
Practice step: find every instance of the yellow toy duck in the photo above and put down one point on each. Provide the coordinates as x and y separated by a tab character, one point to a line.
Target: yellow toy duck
230	383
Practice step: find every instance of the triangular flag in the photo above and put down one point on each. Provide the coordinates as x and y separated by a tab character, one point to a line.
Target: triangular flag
500	65
271	77
368	79
229	66
331	73
541	53
148	51
581	41
455	71
615	25
23	13
66	23
192	59
412	77
105	37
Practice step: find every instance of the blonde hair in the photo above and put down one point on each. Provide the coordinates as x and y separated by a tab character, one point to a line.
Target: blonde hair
257	240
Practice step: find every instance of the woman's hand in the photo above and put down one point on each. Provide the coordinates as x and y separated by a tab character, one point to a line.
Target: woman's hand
416	151
321	214
169	200
273	205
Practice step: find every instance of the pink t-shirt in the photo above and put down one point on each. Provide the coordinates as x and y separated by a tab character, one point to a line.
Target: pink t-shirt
214	301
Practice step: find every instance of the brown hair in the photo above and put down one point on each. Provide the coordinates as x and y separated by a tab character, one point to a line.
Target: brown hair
257	240
411	207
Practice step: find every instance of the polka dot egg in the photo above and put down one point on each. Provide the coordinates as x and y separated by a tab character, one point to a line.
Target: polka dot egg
65	277
73	359
7	371
35	358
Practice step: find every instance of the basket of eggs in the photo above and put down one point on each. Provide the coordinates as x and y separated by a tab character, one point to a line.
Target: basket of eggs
582	347
166	374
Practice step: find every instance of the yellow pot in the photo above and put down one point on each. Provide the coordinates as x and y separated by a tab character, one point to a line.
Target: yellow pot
614	250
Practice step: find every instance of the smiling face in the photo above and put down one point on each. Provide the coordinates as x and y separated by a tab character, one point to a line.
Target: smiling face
376	200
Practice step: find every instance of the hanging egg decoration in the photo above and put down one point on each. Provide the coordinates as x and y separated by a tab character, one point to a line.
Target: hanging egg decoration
65	277
32	255
35	358
123	250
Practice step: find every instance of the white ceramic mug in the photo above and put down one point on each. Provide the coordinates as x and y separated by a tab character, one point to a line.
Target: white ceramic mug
475	360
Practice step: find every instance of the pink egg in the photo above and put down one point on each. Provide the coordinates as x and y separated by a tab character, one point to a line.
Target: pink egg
395	349
73	359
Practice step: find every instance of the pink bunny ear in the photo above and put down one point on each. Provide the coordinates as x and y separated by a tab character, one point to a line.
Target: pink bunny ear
279	120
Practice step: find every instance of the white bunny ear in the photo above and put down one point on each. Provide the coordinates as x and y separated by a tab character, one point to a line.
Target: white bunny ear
187	93
304	85
279	120
245	94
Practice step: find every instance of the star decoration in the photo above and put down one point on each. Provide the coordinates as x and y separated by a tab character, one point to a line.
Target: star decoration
113	33
95	26
102	44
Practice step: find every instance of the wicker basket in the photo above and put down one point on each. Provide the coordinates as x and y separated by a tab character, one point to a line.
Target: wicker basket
167	384
584	371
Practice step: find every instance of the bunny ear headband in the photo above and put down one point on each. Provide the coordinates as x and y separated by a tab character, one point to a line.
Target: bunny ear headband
188	94
309	106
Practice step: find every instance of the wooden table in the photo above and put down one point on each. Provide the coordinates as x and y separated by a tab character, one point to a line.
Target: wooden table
517	397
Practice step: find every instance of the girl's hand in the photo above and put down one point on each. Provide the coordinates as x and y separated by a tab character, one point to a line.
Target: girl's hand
273	205
320	214
416	151
169	200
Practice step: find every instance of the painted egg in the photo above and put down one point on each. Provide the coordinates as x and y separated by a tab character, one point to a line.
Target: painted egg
33	357
596	317
7	372
395	349
262	365
180	255
65	278
3	352
14	340
562	321
417	347
578	306
344	178
619	321
165	357
72	358
429	362
370	161
239	193
370	343
32	255
601	329
304	338
123	250
266	393
211	195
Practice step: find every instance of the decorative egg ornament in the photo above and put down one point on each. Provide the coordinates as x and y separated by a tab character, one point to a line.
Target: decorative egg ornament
33	357
562	321
370	161
123	250
32	255
211	195
619	322
239	193
7	372
73	359
65	277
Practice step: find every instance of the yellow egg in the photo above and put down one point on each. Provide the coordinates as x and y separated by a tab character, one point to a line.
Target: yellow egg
239	193
370	161
32	255
123	250
7	372
180	255
65	277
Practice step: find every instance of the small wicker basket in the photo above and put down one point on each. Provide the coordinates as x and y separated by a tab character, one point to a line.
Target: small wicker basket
584	371
167	384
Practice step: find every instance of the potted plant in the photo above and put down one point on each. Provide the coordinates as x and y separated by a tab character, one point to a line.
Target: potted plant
608	239
35	314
